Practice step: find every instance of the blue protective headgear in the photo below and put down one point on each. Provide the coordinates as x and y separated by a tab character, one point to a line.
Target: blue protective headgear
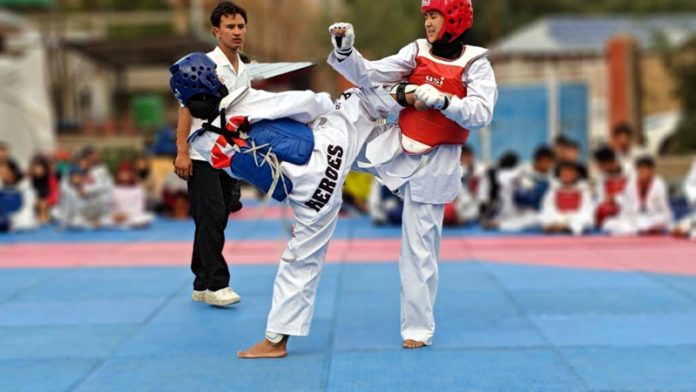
196	85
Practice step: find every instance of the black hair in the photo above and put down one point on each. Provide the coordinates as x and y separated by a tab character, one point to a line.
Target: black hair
543	152
623	128
226	8
604	155
561	140
87	151
577	166
645	161
508	160
466	149
14	168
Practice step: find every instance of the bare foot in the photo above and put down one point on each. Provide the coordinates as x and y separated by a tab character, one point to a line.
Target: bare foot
408	343
265	349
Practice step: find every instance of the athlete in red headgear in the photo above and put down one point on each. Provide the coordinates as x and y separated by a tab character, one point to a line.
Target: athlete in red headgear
456	86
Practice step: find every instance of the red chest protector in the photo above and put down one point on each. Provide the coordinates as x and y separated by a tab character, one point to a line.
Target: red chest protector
568	200
422	131
614	185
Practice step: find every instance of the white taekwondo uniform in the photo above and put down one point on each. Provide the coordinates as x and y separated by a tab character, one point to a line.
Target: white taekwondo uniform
688	223
568	206
340	130
640	215
426	182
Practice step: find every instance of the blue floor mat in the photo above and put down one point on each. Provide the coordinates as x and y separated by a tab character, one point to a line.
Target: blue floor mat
168	230
499	328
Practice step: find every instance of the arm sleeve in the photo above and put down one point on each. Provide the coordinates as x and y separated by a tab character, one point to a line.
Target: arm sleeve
475	111
548	212
368	74
302	106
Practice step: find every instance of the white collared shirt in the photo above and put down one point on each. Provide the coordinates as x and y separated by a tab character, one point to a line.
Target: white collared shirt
233	79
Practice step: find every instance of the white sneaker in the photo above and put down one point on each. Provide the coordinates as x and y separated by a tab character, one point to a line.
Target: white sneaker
222	297
198	295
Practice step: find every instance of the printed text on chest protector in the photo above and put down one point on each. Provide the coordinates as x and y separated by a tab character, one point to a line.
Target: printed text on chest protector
327	185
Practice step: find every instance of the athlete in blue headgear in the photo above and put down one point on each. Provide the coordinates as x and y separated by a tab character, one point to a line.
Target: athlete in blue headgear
261	137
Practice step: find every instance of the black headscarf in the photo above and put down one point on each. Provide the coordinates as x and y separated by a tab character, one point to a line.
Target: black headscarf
41	184
448	50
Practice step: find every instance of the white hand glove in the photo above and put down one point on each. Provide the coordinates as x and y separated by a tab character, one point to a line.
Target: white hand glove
342	37
432	97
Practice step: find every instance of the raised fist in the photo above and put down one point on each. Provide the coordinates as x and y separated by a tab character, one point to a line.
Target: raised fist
342	37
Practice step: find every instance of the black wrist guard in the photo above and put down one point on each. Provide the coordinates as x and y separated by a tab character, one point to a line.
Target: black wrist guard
401	94
446	105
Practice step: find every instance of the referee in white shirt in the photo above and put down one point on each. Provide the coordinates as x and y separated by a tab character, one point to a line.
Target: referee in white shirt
213	194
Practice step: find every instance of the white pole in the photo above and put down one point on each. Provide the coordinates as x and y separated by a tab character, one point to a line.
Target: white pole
552	87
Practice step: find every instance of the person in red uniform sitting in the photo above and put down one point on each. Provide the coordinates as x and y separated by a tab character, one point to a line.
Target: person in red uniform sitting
610	184
568	205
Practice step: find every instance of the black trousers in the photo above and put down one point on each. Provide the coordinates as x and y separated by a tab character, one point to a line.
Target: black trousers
212	193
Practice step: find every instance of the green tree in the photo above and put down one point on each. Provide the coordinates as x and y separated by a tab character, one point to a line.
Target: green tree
384	26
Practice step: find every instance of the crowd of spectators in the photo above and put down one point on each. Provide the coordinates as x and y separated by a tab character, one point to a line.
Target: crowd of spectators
78	191
618	193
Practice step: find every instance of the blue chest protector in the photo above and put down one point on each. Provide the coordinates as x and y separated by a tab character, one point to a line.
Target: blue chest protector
10	202
532	197
272	142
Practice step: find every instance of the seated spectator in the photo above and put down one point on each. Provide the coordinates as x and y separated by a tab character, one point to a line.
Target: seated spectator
609	185
143	170
17	199
384	207
528	190
687	226
622	142
175	198
497	189
98	184
45	185
75	207
567	207
566	149
465	208
129	208
644	203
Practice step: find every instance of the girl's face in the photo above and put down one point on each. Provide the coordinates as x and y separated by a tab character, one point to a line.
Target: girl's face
568	175
38	170
125	177
433	24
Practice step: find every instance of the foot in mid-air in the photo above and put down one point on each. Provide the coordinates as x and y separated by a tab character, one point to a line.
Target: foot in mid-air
408	343
265	349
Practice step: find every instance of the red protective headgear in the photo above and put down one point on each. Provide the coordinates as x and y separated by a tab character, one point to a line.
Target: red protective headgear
459	15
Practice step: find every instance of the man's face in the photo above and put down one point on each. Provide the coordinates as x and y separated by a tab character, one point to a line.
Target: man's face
433	23
232	31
